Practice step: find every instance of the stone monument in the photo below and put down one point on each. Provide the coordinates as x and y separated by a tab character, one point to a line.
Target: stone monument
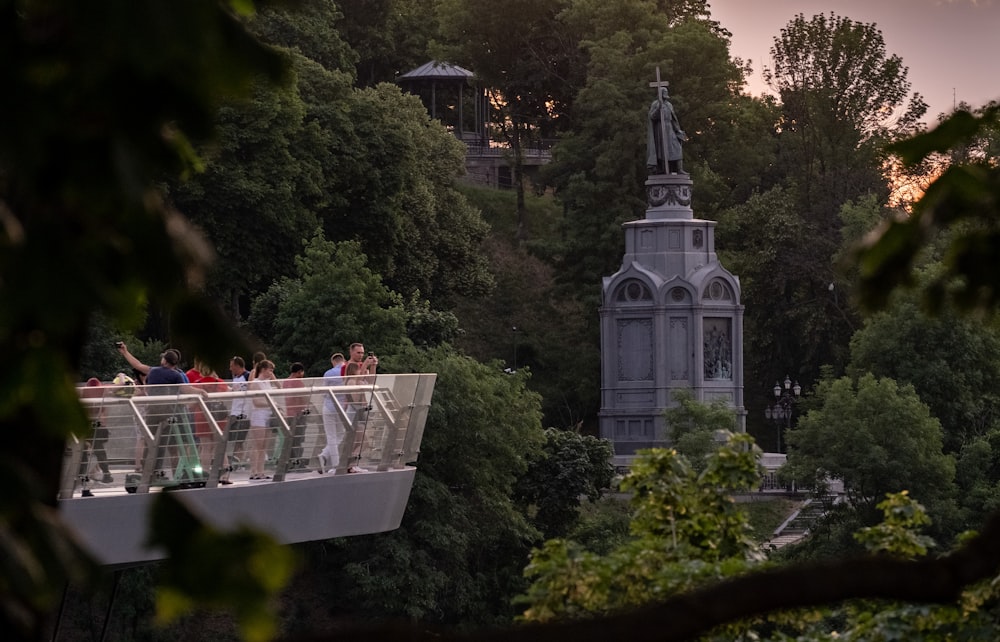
671	316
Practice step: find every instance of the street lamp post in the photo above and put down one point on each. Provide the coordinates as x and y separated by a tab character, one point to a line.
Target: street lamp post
513	332
784	404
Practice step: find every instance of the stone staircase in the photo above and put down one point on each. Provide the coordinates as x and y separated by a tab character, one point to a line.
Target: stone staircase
799	523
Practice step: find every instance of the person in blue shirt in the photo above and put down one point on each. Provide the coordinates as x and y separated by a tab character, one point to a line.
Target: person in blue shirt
333	425
165	379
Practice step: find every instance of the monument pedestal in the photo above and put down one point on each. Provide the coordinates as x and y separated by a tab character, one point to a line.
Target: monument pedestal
671	319
669	196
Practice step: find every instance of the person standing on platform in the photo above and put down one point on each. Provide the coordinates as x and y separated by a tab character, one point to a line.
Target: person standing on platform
257	358
355	404
239	411
205	378
296	409
260	419
367	364
165	373
196	371
95	446
164	380
333	426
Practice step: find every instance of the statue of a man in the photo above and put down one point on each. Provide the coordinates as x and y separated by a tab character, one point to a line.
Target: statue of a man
663	138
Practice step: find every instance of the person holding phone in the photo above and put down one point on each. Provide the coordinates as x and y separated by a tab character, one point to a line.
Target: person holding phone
367	364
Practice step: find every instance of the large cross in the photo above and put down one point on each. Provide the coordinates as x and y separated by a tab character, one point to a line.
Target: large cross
659	83
663	125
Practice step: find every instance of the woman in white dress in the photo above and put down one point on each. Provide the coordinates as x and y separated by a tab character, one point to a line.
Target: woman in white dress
260	419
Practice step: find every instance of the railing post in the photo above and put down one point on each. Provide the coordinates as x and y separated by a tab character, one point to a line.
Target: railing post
392	445
71	468
418	417
379	430
281	464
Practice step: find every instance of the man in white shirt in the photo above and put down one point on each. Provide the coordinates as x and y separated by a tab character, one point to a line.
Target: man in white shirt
333	425
239	412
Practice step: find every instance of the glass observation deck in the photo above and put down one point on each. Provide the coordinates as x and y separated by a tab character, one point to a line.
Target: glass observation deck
150	439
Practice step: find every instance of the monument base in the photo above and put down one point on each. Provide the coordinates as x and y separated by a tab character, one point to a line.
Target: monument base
668	196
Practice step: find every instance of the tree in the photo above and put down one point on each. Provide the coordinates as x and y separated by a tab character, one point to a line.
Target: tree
523	57
333	300
897	537
798	323
877	437
694	426
963	202
946	359
686	532
841	97
457	556
570	467
553	336
977	472
393	177
100	102
742	158
833	66
311	30
366	164
249	200
390	37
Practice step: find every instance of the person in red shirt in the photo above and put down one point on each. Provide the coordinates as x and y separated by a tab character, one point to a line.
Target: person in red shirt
203	377
296	409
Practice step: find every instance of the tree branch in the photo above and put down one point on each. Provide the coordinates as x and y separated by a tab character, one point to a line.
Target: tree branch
684	617
939	580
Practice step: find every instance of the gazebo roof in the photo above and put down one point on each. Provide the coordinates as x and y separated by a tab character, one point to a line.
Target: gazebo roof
435	70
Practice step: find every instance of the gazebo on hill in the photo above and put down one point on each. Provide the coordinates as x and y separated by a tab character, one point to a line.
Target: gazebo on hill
451	95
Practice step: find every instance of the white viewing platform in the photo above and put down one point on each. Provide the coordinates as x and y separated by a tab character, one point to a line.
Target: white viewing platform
146	437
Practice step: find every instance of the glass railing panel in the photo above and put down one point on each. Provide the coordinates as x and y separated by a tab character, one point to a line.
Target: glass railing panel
167	436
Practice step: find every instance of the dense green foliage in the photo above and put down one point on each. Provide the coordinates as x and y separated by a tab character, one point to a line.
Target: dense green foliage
367	164
100	102
458	555
961	203
571	583
570	468
695	426
333	300
686	531
946	358
325	208
842	97
877	437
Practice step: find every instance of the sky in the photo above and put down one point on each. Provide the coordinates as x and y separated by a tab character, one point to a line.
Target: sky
951	47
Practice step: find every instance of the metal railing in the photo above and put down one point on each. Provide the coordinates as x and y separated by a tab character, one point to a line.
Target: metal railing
150	437
529	148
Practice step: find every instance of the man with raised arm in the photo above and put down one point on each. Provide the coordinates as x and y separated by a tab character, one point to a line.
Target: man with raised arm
368	364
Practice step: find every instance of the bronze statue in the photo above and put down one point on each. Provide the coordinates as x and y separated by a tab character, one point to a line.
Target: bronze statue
663	136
